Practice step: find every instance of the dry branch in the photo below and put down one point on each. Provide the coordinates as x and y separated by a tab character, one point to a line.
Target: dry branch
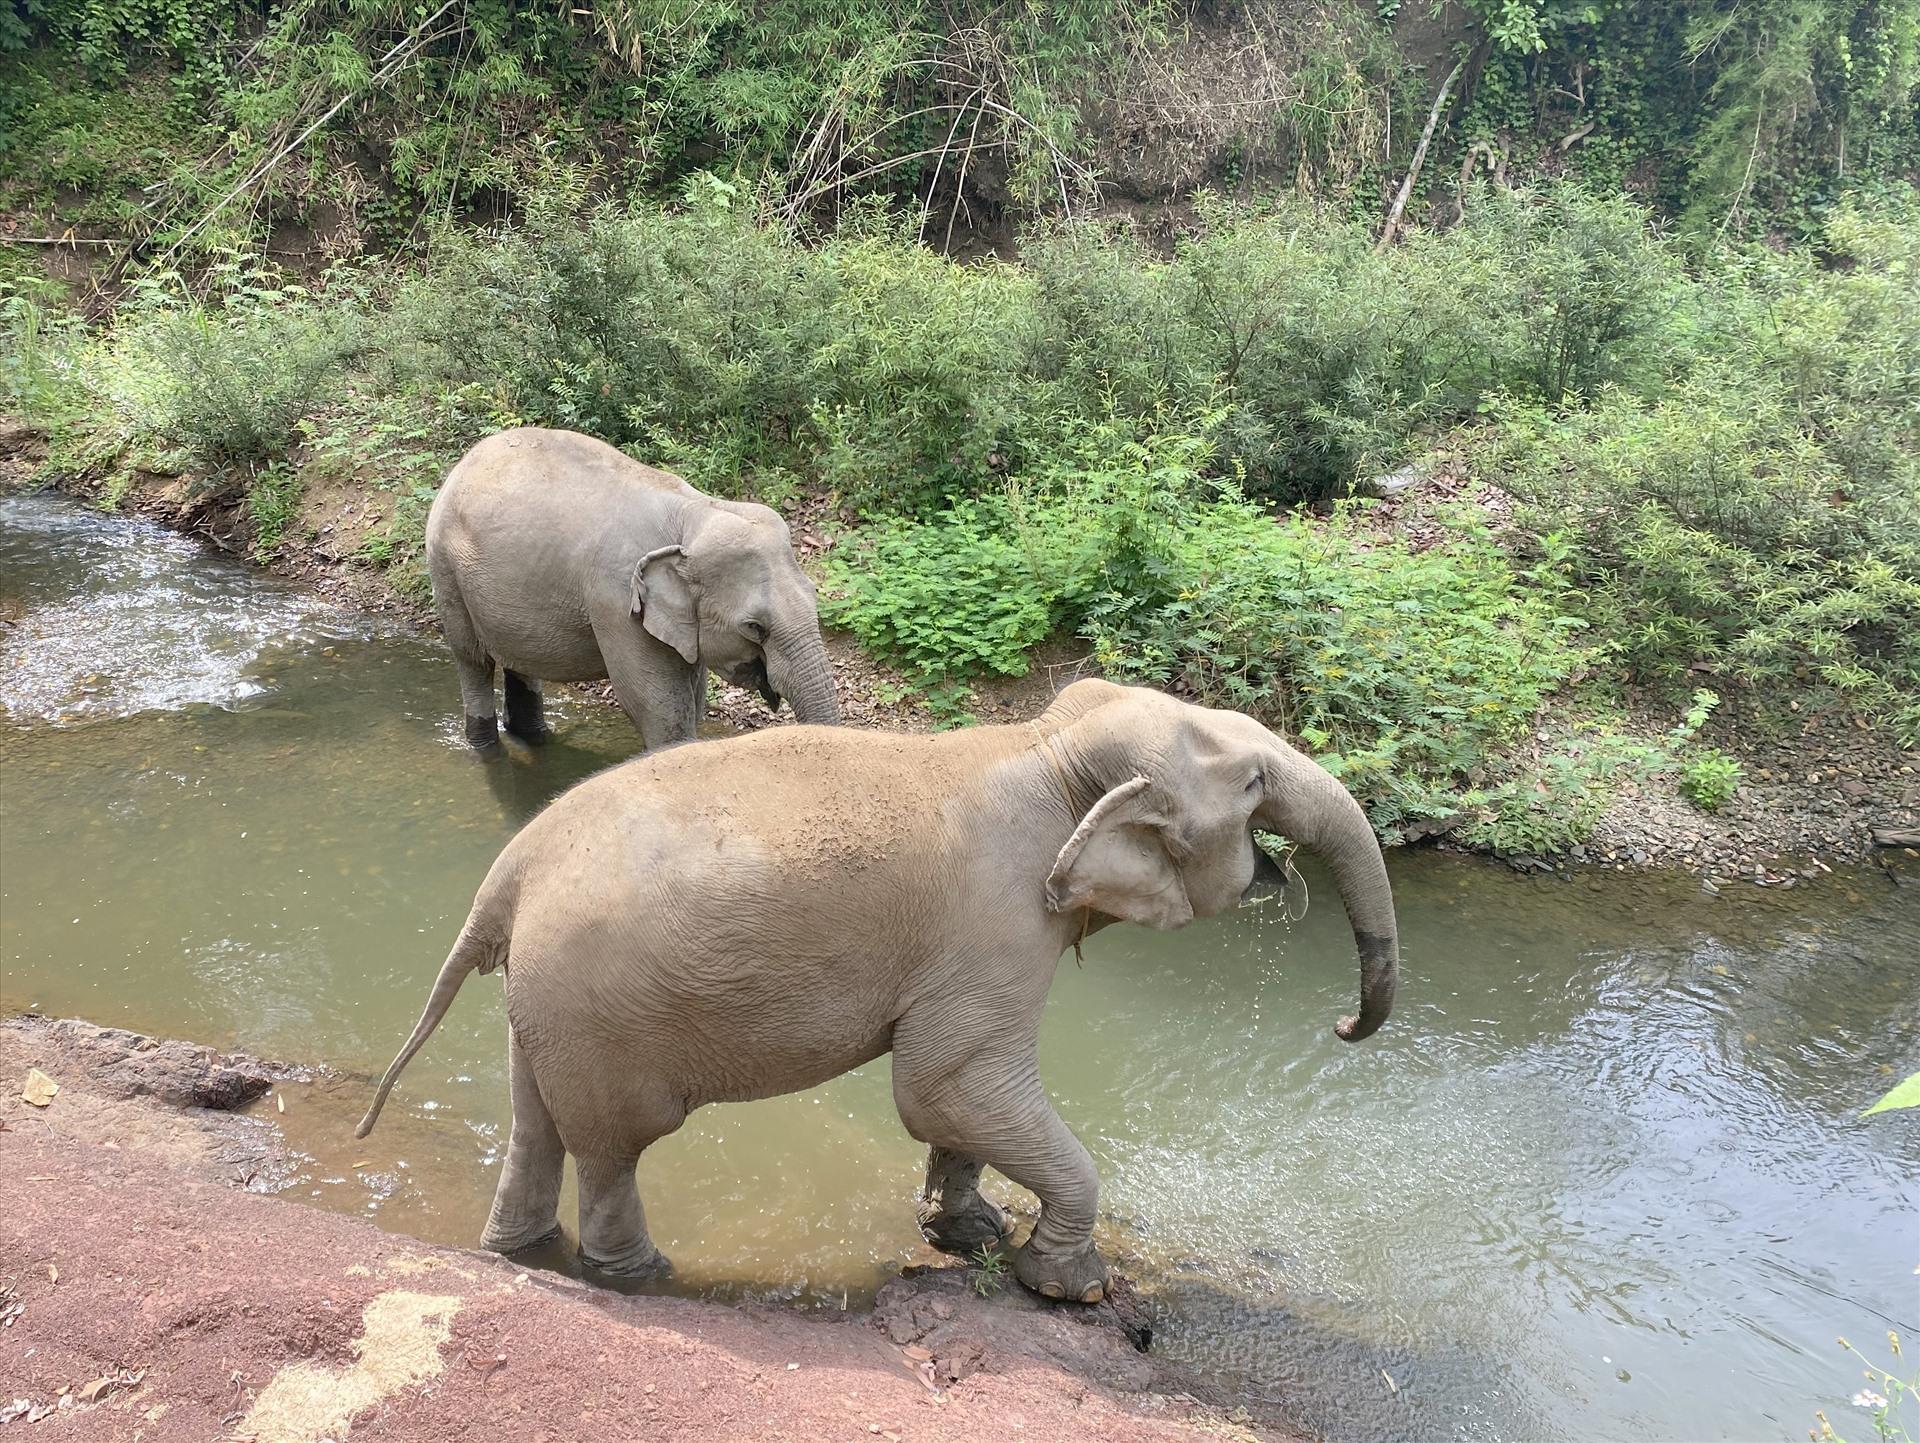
1419	158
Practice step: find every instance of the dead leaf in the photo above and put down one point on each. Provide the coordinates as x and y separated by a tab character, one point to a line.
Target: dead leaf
918	1354
279	1102
39	1088
53	1273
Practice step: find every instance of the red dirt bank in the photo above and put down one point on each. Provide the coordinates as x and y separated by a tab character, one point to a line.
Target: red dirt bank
241	1316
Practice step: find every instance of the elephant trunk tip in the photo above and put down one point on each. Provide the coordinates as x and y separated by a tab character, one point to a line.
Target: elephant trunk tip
1356	1029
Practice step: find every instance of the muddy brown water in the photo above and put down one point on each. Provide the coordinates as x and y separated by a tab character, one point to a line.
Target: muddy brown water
1603	1176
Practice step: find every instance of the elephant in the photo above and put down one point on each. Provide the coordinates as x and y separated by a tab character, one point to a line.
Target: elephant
562	559
754	916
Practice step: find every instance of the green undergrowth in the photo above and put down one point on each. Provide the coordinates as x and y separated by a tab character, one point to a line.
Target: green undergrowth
1711	466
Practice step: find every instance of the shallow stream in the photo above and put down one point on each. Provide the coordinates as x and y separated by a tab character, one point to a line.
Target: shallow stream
1603	1176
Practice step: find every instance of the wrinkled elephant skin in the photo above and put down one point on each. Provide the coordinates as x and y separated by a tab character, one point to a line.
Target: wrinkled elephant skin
754	916
555	557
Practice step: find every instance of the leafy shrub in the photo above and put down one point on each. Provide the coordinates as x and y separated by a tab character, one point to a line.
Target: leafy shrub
230	383
1761	516
947	598
1709	778
1408	670
273	502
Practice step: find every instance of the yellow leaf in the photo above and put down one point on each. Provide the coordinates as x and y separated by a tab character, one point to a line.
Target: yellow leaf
39	1089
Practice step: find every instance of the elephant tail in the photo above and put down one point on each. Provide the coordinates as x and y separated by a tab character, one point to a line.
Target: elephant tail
481	948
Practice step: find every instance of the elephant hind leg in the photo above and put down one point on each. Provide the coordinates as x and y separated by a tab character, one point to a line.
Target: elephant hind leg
526	712
954	1217
473	661
526	1204
613	1225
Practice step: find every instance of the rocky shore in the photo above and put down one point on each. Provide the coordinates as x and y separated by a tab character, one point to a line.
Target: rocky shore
153	1289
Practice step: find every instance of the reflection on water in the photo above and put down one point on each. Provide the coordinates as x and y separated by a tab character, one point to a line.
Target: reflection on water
1603	1177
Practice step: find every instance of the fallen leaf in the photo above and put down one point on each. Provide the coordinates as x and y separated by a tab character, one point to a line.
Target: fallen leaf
98	1389
53	1273
39	1089
279	1102
1395	1387
918	1354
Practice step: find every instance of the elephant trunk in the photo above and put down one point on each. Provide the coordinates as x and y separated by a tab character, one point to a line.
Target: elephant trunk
1307	804
801	673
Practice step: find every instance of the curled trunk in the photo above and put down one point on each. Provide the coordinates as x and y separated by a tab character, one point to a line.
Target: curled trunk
1316	811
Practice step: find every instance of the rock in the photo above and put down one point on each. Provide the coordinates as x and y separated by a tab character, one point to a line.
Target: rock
938	1310
180	1074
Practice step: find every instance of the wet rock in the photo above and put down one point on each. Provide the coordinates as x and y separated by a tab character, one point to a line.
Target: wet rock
939	1311
131	1064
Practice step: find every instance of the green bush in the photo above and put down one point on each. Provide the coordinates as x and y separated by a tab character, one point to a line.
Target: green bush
230	382
1709	778
948	598
1760	517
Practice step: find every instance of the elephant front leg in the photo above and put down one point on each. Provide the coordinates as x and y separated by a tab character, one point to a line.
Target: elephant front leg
954	1217
658	691
992	1107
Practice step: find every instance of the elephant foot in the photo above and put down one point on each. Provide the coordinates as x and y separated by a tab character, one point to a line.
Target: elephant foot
643	1260
533	734
506	1242
966	1228
1080	1275
483	732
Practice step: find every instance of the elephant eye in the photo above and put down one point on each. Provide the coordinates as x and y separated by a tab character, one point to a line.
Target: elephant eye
755	630
1259	781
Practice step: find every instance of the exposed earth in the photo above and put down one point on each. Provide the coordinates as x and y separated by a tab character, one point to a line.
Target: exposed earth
150	1290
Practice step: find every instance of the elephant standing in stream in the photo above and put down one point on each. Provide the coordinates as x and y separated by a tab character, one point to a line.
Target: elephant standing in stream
754	916
561	559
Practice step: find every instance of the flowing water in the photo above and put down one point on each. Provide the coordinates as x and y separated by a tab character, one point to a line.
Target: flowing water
1603	1177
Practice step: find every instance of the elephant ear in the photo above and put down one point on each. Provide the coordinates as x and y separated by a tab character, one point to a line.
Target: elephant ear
1119	861
666	599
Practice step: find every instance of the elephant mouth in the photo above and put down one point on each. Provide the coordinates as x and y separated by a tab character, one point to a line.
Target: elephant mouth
752	675
1271	874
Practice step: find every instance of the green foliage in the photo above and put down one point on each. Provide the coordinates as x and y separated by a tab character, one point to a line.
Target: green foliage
1902	1095
1709	778
230	383
947	598
989	1271
1762	516
273	502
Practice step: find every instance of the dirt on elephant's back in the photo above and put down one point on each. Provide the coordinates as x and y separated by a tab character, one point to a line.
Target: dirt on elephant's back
147	1298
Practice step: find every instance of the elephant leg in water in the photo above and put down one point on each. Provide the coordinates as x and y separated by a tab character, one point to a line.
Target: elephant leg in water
991	1107
954	1217
526	709
526	1202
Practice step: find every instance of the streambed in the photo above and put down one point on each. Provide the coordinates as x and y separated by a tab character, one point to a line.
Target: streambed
1603	1176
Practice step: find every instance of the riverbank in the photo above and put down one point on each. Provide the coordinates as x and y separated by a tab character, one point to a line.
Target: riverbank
153	1288
1833	793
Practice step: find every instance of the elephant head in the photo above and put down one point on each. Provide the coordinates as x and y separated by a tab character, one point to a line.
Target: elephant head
729	596
1172	794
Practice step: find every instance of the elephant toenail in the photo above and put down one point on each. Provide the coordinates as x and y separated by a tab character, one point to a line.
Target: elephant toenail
1093	1294
1052	1290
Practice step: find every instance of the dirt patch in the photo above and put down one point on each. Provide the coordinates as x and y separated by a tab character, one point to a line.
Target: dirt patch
146	1299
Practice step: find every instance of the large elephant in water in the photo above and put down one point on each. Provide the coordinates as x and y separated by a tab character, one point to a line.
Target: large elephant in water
754	916
561	559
